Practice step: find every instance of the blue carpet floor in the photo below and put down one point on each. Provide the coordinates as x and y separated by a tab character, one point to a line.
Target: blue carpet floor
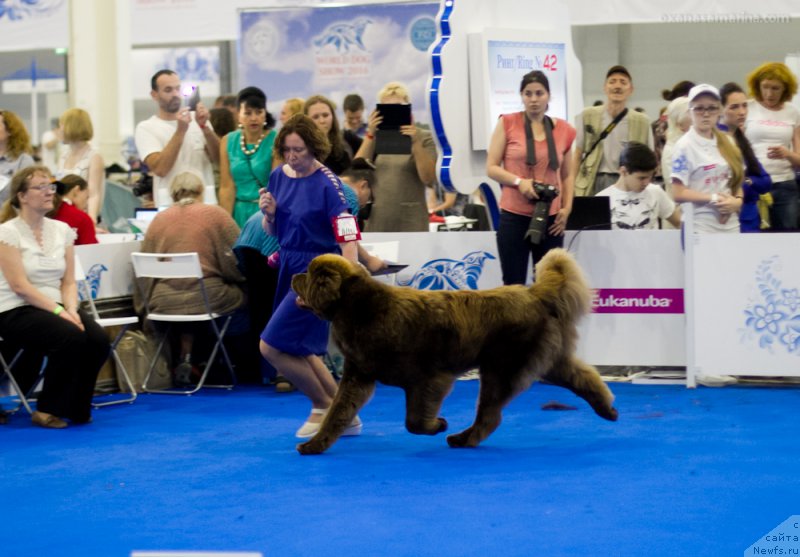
683	472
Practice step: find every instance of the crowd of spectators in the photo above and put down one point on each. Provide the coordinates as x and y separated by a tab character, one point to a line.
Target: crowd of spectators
281	191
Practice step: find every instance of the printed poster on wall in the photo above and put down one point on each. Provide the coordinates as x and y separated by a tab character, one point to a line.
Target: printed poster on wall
34	25
195	66
334	51
510	60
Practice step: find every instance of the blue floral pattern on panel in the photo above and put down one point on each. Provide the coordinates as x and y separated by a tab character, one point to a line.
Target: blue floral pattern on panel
450	274
16	10
773	318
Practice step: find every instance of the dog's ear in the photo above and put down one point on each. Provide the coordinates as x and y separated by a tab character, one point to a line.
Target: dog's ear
323	289
299	281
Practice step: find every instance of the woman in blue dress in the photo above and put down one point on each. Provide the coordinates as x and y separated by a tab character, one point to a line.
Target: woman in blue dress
246	156
304	207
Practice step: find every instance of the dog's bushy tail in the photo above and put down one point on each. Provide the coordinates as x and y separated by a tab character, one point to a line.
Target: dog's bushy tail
561	282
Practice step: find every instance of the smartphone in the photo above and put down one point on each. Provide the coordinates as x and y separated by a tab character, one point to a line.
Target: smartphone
193	98
394	116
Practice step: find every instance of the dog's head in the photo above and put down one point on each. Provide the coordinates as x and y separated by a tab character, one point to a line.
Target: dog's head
320	288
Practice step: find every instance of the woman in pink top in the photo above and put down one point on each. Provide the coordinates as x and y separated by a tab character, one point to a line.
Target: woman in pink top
528	151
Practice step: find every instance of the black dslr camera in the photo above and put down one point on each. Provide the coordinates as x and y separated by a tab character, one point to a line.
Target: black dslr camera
538	225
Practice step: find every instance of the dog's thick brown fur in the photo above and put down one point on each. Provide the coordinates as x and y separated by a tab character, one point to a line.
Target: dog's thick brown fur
421	340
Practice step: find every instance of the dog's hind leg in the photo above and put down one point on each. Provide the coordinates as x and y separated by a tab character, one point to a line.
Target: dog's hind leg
352	394
496	392
423	402
583	380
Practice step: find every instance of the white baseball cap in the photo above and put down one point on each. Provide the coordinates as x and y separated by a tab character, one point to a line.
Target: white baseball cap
703	89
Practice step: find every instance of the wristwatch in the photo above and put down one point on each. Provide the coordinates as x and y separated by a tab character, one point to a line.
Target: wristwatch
517	181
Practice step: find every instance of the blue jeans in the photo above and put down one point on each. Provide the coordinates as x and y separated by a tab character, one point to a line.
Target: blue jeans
515	251
783	212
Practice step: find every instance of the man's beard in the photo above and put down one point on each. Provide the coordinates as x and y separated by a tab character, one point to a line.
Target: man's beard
173	106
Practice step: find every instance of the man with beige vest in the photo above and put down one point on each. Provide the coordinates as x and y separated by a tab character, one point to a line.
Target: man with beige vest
602	133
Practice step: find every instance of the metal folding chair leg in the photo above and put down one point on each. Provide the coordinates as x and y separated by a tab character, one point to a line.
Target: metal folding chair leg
218	345
123	371
22	399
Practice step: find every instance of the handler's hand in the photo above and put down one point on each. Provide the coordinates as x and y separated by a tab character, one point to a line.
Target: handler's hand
375	264
266	203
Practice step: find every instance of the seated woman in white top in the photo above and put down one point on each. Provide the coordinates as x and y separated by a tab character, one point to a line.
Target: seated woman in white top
39	301
81	159
707	167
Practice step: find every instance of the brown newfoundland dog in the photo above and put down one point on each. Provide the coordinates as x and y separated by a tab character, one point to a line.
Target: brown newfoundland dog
421	341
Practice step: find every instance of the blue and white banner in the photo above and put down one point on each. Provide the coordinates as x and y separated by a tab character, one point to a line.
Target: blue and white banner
334	51
195	66
34	24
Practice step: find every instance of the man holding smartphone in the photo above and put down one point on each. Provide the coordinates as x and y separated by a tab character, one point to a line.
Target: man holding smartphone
177	139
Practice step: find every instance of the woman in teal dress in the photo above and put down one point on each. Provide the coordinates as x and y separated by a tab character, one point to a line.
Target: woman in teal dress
246	157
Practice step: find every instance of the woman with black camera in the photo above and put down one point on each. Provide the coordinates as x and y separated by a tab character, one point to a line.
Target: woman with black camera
529	155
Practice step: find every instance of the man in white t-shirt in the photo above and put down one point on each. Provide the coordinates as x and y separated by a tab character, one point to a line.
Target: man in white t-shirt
636	203
176	139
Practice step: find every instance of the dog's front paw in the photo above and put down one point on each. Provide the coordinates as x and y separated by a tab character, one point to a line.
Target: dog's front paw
611	414
461	440
311	447
442	425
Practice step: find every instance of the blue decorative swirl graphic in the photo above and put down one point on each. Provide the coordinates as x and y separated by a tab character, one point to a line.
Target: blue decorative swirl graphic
450	274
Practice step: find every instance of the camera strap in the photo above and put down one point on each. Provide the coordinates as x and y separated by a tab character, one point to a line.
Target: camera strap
551	143
604	133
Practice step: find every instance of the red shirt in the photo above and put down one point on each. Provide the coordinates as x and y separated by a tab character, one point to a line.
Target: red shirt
514	160
79	221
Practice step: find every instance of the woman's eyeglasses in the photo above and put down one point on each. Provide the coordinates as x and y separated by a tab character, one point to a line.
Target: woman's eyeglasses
705	109
43	187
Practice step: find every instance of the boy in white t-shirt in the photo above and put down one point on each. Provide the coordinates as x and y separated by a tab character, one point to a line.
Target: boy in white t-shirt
636	203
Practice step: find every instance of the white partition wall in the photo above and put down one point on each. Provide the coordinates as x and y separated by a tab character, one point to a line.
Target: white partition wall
745	295
638	315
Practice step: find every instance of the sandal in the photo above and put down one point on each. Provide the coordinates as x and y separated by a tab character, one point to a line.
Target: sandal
310	429
48	421
283	385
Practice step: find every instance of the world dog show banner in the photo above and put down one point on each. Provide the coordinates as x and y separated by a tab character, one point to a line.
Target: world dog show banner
334	51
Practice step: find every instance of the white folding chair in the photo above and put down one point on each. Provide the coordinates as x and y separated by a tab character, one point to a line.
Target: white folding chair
106	322
181	266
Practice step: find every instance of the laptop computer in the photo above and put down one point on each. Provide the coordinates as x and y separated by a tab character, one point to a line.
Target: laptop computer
145	214
590	213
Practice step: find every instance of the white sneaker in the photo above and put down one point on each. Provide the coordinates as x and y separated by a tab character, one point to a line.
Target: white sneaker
354	428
